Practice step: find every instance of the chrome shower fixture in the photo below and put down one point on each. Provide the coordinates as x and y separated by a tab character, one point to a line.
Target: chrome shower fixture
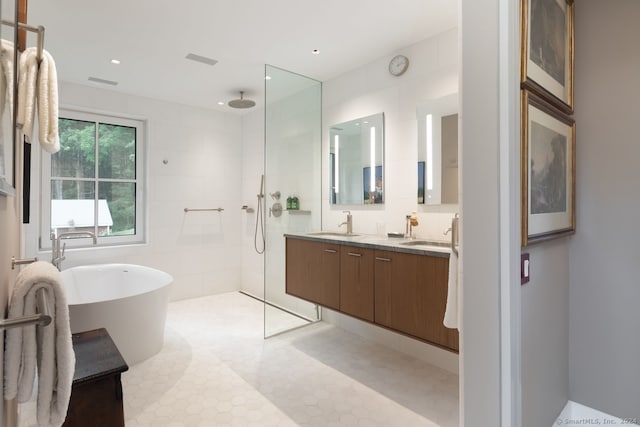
241	103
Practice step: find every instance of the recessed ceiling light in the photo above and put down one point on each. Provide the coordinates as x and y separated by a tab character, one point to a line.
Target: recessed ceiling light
220	103
201	59
115	61
103	81
315	51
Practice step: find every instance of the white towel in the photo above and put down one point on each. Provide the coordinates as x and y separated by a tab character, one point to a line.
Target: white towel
48	104
50	346
6	77
27	78
38	85
452	314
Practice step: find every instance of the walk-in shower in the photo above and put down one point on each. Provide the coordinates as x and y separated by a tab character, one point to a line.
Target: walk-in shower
293	136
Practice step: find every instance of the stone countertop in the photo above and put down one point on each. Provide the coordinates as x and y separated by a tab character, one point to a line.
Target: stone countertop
430	248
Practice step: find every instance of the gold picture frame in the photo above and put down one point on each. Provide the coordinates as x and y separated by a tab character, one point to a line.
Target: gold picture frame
547	50
548	173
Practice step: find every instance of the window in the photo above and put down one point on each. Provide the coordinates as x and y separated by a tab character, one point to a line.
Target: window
95	182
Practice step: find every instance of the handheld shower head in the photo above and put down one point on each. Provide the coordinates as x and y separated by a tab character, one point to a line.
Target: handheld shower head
261	193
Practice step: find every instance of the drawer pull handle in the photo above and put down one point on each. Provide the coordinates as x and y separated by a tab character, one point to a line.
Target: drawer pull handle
353	254
331	251
383	259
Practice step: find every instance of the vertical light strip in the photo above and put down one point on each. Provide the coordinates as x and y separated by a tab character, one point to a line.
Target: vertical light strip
429	152
336	171
372	176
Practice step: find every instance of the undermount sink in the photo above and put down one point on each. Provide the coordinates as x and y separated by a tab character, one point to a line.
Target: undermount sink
424	243
331	233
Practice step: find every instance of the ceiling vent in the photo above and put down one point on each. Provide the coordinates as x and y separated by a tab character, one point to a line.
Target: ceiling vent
103	81
201	59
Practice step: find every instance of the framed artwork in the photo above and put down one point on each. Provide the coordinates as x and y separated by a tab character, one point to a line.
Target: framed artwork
421	182
548	173
547	50
372	195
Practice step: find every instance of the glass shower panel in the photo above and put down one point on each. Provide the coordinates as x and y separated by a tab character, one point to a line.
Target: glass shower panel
293	133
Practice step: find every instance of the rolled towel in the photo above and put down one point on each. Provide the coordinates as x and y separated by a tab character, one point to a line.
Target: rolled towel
38	86
6	77
27	78
48	104
49	346
451	314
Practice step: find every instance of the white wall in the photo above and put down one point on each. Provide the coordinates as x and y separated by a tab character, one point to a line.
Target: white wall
605	293
480	180
545	334
370	89
204	153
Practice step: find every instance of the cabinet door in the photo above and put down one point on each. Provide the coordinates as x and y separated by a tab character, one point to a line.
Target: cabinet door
356	282
313	271
411	296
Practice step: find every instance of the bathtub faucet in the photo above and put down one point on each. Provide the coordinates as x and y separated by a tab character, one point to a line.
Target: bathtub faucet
57	254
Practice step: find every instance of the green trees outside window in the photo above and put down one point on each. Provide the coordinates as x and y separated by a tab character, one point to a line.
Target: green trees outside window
93	178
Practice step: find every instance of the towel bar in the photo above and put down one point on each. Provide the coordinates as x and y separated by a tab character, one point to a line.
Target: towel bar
454	233
202	210
15	261
43	317
39	30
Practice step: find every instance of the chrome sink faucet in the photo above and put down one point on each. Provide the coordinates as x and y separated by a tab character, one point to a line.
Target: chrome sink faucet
57	254
348	222
408	233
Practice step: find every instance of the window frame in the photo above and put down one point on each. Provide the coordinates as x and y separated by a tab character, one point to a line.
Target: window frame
140	182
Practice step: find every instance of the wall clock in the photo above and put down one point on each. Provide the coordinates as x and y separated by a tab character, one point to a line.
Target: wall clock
398	65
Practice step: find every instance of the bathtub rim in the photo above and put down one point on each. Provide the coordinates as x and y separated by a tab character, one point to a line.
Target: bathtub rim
166	282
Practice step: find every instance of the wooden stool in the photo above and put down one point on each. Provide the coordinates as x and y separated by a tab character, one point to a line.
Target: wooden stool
96	394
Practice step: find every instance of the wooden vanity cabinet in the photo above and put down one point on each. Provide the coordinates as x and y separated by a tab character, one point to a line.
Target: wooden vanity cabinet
411	296
401	291
313	271
356	282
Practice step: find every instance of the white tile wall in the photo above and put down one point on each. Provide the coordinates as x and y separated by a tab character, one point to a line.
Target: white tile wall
202	250
432	73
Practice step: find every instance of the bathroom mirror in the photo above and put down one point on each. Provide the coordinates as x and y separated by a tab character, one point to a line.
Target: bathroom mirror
437	121
356	161
8	36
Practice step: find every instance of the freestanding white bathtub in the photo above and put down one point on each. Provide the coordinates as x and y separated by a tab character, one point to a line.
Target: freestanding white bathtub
129	301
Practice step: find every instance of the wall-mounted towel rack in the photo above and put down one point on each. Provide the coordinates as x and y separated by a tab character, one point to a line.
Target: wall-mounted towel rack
15	261
39	30
202	210
42	318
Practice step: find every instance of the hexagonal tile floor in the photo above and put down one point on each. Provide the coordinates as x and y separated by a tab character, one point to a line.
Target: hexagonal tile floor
217	370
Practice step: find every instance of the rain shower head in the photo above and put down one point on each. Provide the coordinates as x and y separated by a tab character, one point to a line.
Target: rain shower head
241	103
